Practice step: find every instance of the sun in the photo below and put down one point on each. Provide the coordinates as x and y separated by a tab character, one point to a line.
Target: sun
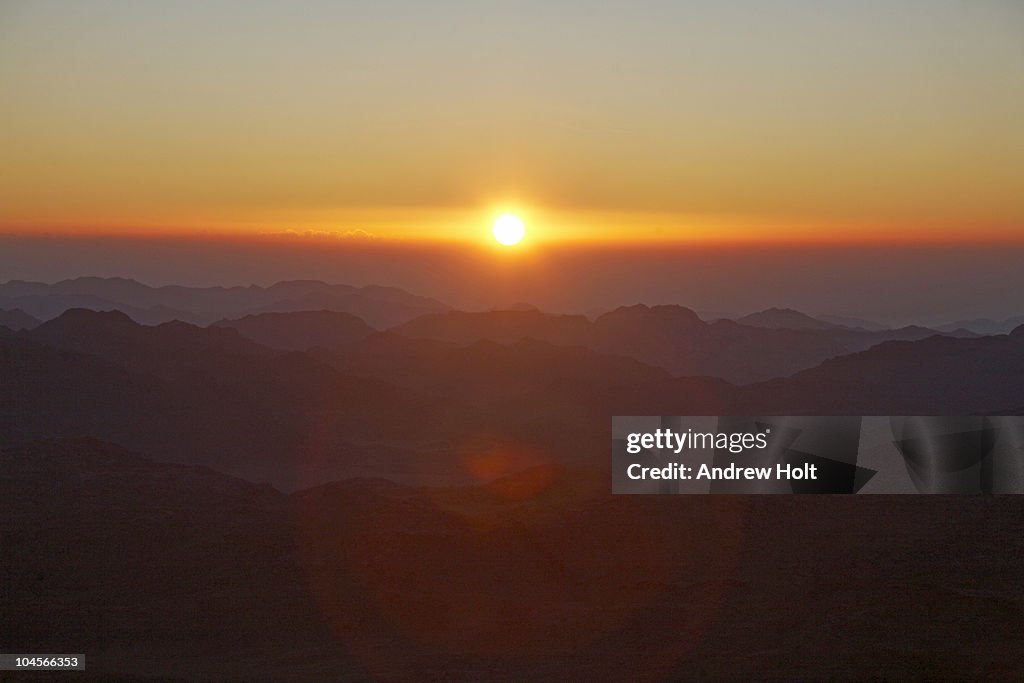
508	229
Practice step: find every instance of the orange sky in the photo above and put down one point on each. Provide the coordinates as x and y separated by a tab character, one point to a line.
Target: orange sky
782	120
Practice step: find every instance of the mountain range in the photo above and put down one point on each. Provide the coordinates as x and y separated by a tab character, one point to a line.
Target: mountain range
304	495
985	325
378	306
414	409
672	337
208	396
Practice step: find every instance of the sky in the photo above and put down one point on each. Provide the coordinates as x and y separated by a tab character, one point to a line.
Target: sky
789	121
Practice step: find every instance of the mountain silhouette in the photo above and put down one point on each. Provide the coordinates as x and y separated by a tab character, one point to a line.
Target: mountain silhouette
379	306
985	325
672	337
208	396
934	376
300	330
438	502
786	318
17	319
422	410
47	391
851	322
166	350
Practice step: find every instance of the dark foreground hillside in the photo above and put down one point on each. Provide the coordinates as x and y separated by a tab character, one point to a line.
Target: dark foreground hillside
171	572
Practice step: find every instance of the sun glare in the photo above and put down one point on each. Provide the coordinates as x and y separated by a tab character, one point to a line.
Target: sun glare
508	229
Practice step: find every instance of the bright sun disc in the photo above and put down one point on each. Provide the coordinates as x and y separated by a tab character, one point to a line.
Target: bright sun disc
509	229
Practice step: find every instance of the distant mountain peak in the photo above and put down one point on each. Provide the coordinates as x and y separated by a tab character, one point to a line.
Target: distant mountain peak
985	326
674	309
300	282
637	313
517	306
97	278
662	309
17	319
785	318
89	316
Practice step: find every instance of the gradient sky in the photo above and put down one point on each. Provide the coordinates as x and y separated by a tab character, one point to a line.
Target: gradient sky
766	119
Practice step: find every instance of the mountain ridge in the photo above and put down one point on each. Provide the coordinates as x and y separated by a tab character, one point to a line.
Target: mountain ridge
672	337
380	306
